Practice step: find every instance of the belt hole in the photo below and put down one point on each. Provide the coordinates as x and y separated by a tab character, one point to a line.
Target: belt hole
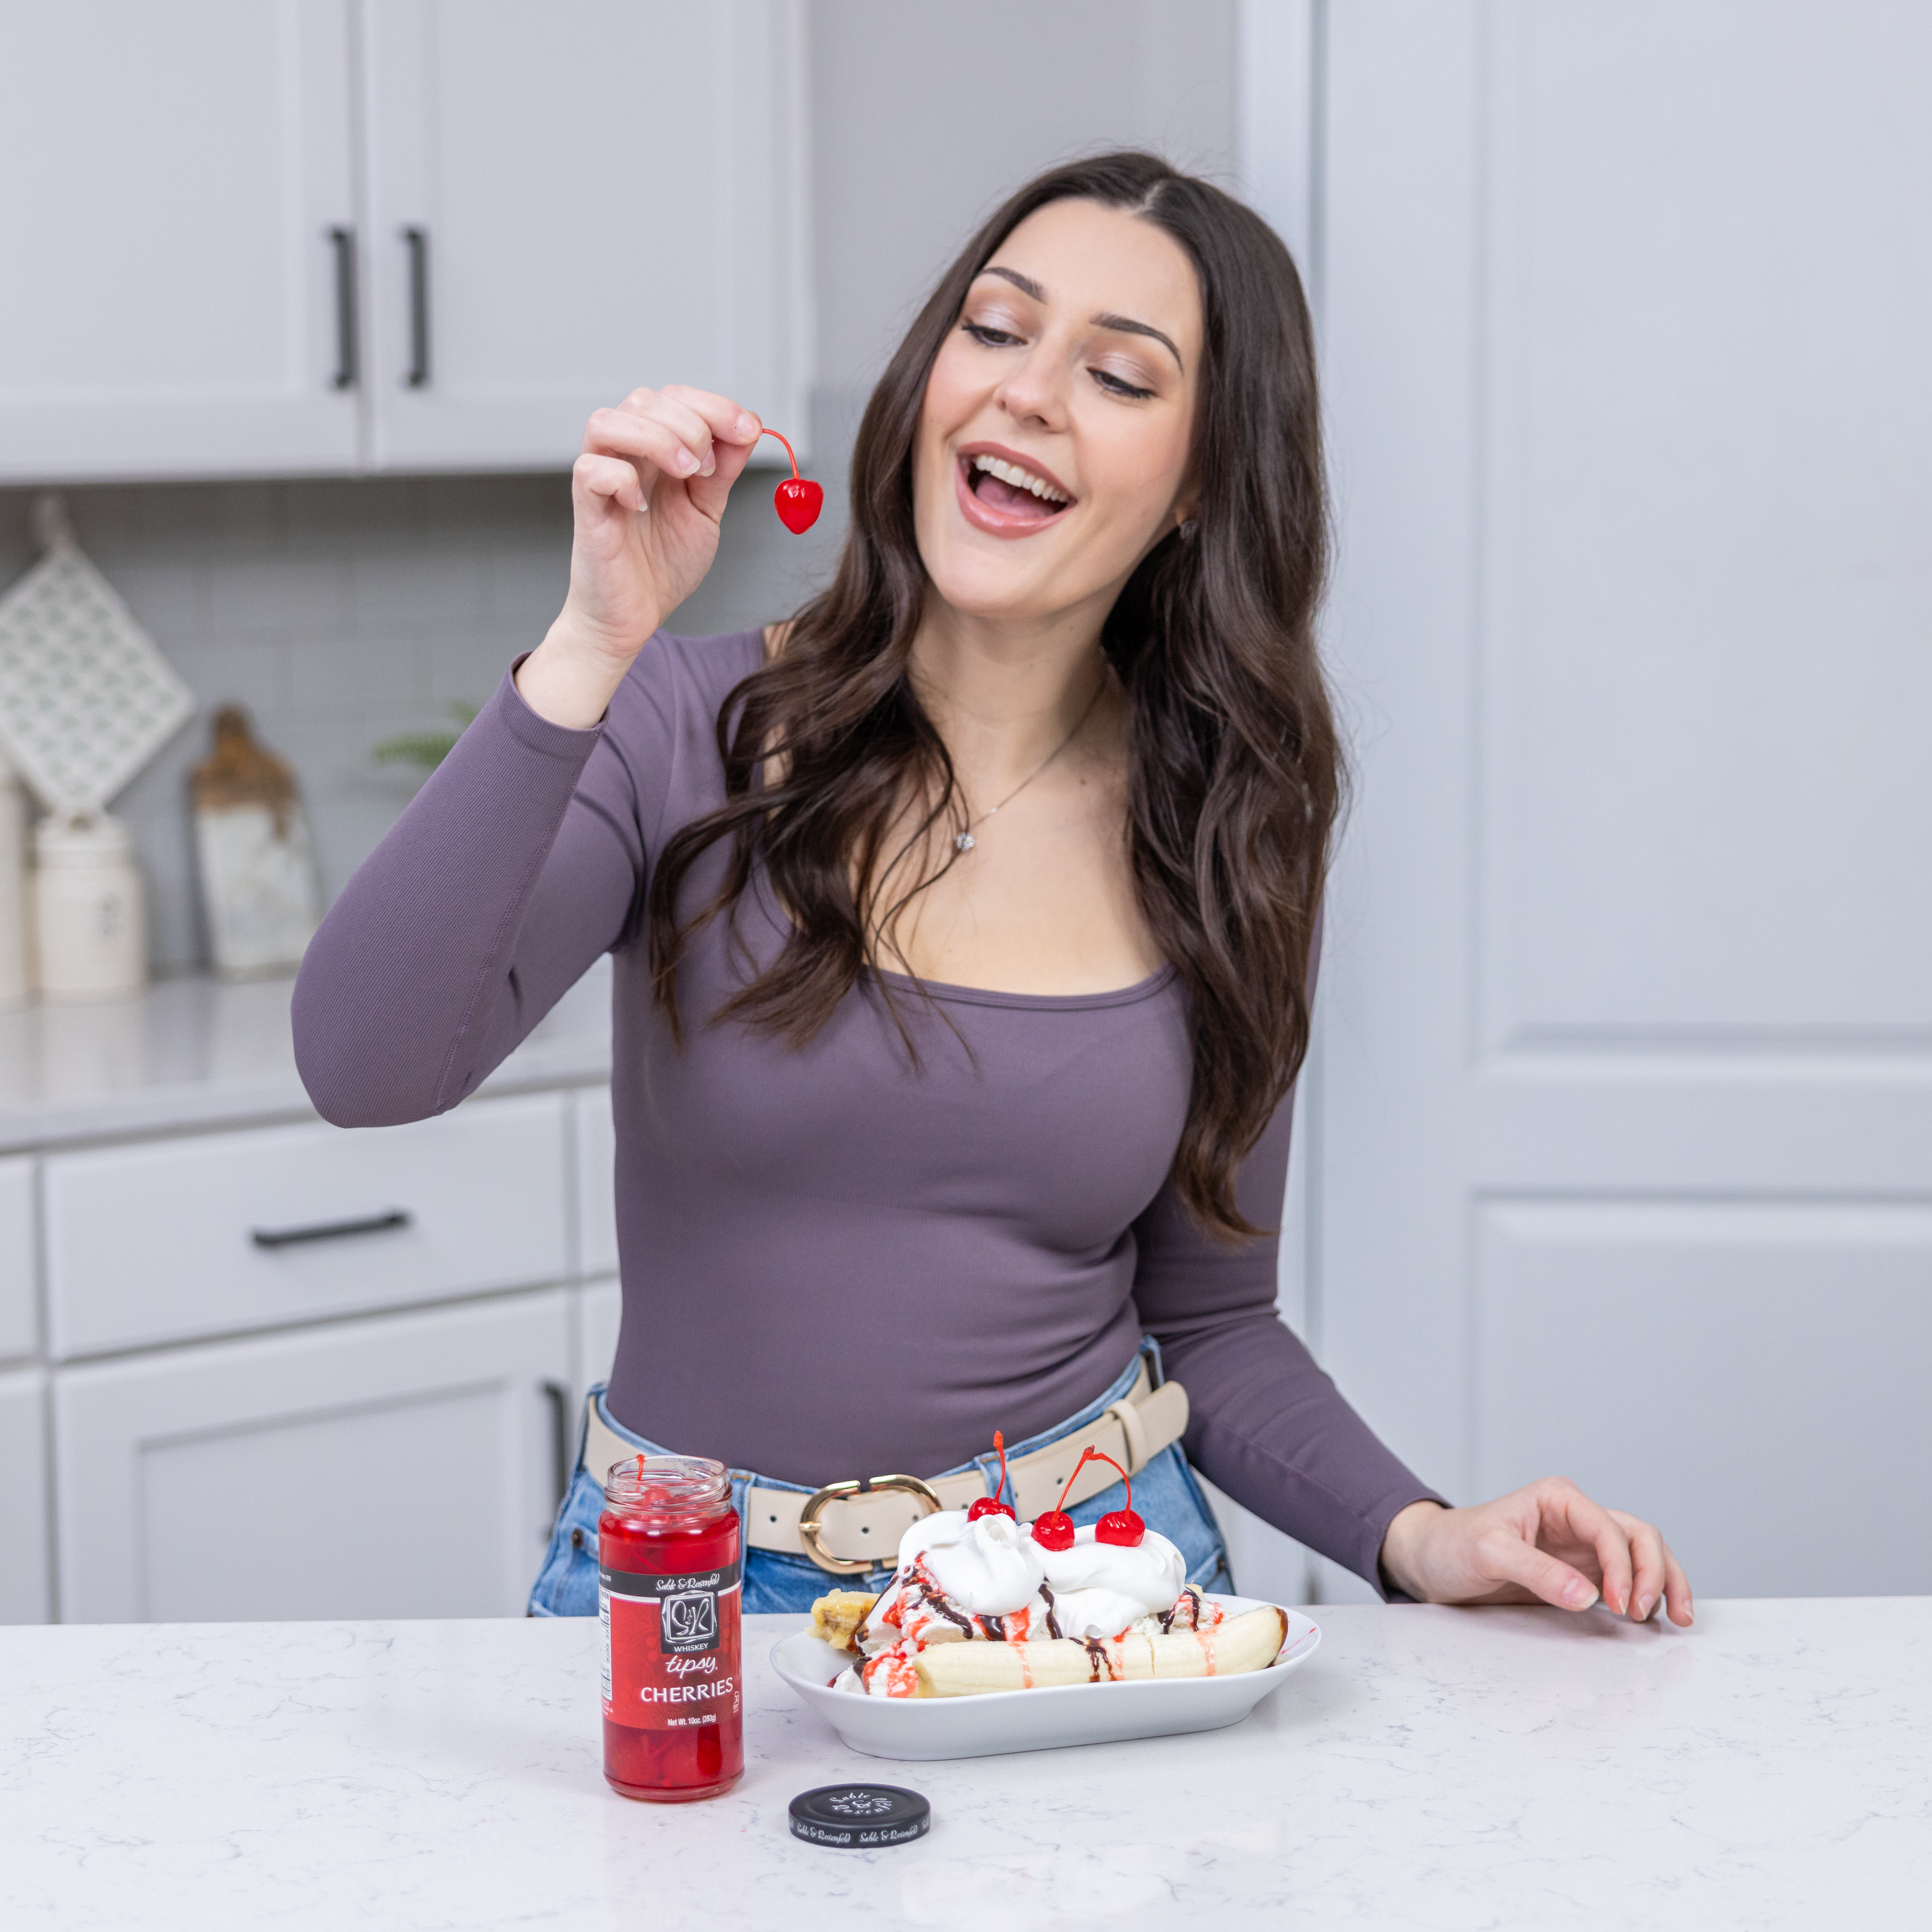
577	1539
771	1518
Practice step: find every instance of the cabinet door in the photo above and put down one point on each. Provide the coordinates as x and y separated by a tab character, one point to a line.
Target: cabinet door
172	305
601	196
1626	1096
600	1312
596	1183
400	1467
17	1320
23	1500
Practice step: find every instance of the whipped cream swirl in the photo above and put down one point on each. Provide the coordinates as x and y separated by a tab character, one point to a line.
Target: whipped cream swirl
1100	1589
988	1568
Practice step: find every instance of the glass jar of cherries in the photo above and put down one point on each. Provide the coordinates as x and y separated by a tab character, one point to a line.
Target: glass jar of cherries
668	1567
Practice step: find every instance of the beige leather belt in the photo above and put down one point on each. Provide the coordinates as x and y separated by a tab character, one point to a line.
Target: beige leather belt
856	1525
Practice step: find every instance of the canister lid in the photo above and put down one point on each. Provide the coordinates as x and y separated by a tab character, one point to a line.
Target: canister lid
860	1816
81	838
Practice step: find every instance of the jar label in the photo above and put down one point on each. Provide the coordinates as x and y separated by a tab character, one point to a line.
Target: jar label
670	1646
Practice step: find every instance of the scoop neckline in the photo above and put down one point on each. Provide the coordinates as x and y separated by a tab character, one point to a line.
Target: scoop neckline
993	996
1155	981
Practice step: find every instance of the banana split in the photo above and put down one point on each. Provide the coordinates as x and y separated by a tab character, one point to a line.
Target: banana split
979	1602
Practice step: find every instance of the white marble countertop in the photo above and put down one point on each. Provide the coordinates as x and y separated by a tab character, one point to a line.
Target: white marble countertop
197	1053
1434	1768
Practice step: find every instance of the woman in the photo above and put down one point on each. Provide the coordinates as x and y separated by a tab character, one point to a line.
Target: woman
964	927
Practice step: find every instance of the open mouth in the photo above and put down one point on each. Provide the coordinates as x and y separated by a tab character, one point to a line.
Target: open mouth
1010	490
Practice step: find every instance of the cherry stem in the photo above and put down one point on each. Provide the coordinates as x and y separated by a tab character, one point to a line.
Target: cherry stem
1000	1443
1090	1454
794	455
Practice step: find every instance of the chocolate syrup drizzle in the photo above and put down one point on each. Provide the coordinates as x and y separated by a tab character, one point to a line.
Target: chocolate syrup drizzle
1190	1595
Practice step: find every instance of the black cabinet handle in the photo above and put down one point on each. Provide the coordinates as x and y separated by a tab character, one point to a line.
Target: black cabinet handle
331	1230
348	367
562	1463
417	242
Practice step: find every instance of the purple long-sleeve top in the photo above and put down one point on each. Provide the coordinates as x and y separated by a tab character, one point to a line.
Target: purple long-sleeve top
835	1262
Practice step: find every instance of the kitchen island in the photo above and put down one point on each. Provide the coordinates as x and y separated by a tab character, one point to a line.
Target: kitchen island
1428	1768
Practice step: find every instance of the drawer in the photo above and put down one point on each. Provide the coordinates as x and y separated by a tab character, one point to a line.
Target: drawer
17	1325
226	1232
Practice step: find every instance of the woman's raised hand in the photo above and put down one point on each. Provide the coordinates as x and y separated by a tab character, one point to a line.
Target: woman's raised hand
648	493
1547	1542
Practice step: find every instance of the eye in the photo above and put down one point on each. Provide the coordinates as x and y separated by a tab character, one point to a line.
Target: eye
989	337
1115	385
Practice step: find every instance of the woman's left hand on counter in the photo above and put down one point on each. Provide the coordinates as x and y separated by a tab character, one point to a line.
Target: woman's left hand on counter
1547	1543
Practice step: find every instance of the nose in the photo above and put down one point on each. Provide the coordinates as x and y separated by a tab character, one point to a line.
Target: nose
1035	391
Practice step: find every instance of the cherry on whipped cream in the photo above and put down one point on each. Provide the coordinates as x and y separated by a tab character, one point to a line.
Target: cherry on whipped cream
1053	1530
1120	1526
992	1505
798	500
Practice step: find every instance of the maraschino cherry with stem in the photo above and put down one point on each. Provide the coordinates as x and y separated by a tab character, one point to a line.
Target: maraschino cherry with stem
1055	1530
992	1505
798	500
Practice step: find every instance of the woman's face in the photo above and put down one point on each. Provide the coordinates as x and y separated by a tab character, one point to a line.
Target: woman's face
1052	450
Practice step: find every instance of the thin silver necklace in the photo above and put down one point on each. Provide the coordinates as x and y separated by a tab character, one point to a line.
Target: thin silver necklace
964	841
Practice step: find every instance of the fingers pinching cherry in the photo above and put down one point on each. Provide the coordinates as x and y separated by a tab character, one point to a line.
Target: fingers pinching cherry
985	1505
798	501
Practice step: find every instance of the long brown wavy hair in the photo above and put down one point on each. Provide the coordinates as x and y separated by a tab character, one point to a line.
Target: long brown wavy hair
1236	769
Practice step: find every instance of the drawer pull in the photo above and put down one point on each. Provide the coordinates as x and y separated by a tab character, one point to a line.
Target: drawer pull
348	360
416	240
331	1230
562	1463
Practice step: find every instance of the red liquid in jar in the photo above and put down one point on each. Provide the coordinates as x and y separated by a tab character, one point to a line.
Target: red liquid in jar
668	1553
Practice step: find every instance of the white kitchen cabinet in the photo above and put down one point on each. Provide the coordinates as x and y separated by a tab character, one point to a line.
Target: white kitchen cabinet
173	302
1625	1101
596	1182
19	1327
565	202
401	1466
600	1309
24	1572
226	1232
235	248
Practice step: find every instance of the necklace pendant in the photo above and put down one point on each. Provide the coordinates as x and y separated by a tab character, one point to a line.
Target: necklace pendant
964	841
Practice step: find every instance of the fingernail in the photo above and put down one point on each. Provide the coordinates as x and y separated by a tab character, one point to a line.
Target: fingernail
708	466
1580	1595
748	427
1645	1605
686	463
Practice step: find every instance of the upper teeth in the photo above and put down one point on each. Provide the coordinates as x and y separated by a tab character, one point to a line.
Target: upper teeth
1021	479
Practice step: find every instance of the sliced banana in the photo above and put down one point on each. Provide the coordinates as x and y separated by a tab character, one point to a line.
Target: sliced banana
1250	1642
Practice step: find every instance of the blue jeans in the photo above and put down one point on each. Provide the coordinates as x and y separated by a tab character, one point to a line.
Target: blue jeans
1165	1494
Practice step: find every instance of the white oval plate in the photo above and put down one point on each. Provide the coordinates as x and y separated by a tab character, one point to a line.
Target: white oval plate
1022	1721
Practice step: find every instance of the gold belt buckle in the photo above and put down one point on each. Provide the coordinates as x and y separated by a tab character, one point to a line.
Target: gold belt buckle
813	1535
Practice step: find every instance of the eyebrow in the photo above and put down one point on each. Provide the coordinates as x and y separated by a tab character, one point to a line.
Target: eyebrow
1124	323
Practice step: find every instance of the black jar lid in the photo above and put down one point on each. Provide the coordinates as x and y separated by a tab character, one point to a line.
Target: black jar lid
860	1816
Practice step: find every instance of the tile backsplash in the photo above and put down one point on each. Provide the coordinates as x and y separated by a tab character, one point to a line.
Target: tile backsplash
342	612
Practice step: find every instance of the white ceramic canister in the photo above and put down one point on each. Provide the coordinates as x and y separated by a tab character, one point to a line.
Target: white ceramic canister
90	930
